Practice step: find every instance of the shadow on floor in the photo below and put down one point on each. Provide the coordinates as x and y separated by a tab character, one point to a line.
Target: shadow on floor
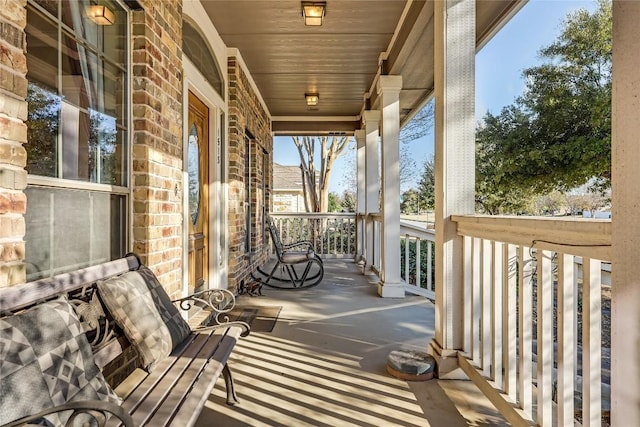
324	364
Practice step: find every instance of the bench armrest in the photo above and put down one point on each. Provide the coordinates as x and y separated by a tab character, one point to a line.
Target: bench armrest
97	411
220	302
246	329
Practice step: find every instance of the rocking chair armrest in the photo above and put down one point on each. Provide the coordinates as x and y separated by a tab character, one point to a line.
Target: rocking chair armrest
306	243
97	410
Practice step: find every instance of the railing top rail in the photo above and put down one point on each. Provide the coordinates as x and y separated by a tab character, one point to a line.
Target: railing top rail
576	236
417	231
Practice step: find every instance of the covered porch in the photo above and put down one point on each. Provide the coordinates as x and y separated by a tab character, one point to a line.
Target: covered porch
323	364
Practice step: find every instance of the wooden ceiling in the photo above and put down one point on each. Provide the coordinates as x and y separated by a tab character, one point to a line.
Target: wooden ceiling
341	59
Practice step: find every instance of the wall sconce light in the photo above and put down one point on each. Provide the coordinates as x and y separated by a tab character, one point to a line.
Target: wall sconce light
312	99
100	15
313	12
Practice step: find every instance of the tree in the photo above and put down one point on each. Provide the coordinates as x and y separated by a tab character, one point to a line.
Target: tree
426	186
557	135
410	201
315	183
414	129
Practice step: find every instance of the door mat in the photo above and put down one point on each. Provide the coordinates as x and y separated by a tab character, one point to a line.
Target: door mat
260	318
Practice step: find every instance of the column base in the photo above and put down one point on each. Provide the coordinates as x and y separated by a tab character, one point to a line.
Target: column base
447	367
391	290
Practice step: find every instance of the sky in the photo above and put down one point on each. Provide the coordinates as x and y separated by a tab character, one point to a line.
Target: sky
499	81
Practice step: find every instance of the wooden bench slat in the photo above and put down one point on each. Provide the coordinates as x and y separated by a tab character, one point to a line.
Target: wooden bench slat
189	348
190	411
197	386
151	394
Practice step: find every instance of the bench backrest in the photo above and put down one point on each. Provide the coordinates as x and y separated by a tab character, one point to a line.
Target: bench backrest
79	286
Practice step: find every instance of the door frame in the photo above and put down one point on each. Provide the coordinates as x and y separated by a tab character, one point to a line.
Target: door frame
218	177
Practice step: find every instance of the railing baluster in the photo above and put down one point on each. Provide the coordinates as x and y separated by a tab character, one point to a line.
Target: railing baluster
476	295
510	286
591	341
406	259
486	308
430	266
418	264
467	248
567	341
544	337
498	288
525	329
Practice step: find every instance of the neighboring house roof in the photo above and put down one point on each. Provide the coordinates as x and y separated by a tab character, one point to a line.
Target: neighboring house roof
287	178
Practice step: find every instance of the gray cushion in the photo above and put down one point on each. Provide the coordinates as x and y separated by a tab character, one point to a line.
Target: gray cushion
46	361
142	308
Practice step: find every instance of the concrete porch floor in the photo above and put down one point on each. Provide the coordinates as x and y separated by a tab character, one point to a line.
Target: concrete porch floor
324	363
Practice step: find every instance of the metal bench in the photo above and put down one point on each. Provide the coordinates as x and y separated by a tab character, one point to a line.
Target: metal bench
303	266
174	392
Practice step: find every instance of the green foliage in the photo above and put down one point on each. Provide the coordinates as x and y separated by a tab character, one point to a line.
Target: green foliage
412	261
426	187
557	135
42	124
345	203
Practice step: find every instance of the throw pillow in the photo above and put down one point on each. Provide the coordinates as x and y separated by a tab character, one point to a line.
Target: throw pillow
46	361
144	311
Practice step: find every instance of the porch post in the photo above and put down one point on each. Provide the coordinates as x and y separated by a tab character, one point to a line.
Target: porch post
625	158
371	121
389	91
454	67
361	205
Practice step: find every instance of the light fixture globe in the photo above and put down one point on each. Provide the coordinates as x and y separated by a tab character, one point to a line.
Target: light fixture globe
312	99
313	12
100	15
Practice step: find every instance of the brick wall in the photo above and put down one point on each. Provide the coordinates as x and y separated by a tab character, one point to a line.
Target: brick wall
157	139
246	117
13	134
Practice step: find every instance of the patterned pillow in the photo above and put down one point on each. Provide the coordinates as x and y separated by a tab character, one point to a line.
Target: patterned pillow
46	361
142	308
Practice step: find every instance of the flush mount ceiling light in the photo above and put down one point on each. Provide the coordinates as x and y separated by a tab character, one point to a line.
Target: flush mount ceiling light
312	99
101	15
313	12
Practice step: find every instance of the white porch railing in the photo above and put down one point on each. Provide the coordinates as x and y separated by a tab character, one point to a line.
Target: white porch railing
332	234
532	324
417	259
416	253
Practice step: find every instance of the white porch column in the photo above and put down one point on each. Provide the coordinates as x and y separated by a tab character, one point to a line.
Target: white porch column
361	204
391	284
371	120
625	158
454	63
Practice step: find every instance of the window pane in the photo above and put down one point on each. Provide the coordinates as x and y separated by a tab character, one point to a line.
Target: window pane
79	74
50	6
54	214
43	119
101	25
193	165
42	124
107	162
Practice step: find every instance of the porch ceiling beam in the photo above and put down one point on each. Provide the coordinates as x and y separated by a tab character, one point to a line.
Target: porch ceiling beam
314	127
418	19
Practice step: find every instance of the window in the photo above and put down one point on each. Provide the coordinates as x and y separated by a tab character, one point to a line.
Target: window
196	47
77	150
